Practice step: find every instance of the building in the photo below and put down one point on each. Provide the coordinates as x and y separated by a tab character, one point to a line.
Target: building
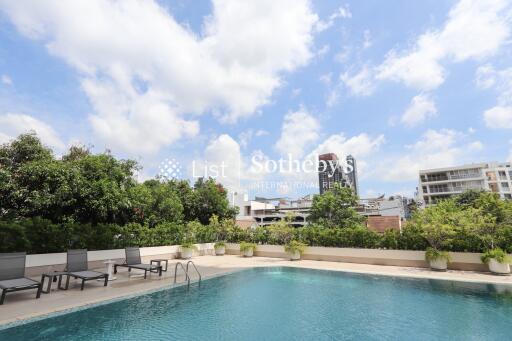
330	172
393	206
266	211
352	176
442	183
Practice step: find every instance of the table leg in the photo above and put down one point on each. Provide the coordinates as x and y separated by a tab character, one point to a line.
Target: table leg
49	286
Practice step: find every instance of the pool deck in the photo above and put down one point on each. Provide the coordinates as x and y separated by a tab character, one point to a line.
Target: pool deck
23	305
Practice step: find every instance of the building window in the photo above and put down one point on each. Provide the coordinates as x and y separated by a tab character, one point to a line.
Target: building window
503	175
508	196
504	186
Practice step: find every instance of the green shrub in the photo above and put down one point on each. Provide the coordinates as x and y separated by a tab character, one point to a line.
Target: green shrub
219	245
295	246
432	254
13	238
498	254
189	246
246	246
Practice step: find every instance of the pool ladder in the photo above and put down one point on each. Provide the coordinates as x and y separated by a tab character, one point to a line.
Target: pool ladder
185	269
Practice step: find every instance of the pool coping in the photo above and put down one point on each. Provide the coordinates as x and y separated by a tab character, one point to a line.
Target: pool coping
28	318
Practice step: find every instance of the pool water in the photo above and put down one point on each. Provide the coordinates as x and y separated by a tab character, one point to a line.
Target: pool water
288	303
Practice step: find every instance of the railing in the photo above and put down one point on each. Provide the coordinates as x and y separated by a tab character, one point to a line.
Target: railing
185	270
197	271
187	277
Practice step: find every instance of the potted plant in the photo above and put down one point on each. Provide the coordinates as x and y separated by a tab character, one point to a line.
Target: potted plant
220	248
438	260
497	260
295	249
187	249
437	231
247	249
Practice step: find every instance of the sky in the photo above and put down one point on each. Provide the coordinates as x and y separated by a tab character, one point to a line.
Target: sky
227	88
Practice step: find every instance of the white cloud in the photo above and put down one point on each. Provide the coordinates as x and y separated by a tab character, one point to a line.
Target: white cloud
296	92
420	108
485	76
134	54
326	78
323	50
500	80
475	29
435	149
6	80
361	83
362	147
12	125
298	131
224	154
367	42
498	117
342	12
246	136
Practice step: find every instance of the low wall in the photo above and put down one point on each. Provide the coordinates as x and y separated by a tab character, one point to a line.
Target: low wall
460	260
40	263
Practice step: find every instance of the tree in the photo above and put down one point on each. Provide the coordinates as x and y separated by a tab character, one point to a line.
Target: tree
335	208
209	198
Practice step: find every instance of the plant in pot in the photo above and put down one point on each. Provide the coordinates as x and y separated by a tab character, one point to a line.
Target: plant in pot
247	249
187	249
497	260
220	248
295	249
438	260
437	231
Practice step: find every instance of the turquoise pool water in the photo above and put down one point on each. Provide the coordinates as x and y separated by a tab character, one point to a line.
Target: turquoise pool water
285	304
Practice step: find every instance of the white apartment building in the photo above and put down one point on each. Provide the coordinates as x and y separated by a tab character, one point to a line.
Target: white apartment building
442	183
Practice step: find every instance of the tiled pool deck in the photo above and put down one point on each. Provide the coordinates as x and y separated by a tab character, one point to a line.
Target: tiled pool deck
23	305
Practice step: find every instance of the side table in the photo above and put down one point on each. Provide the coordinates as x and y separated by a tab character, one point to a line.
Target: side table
110	270
159	263
52	277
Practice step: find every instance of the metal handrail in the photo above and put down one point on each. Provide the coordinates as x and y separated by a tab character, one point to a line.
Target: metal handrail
198	273
187	277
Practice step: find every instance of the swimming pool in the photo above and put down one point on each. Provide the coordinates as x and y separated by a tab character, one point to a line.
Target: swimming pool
289	303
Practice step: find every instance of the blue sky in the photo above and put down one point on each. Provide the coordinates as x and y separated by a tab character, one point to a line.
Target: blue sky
401	85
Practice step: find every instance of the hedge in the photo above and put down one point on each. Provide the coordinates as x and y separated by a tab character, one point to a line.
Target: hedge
38	235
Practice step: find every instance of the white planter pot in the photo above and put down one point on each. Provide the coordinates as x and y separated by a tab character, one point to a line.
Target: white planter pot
220	251
439	264
186	253
248	253
499	268
294	256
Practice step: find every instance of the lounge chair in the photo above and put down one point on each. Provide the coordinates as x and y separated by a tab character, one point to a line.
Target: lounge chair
77	267
12	275
133	261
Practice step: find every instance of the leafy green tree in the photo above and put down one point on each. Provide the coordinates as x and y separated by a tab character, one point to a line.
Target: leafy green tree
335	208
155	202
209	198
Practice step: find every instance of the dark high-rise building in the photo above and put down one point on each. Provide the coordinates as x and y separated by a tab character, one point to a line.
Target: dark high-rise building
352	174
330	172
